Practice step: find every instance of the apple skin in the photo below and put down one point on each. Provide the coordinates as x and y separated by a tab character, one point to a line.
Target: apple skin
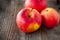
50	17
28	20
36	4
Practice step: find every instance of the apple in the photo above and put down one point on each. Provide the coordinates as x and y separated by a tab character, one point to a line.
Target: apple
36	4
50	17
28	20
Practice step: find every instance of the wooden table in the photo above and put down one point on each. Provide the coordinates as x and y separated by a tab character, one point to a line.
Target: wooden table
8	27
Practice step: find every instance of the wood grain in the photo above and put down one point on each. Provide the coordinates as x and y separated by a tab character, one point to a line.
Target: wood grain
8	27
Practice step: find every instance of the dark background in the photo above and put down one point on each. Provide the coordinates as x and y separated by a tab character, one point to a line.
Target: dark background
8	27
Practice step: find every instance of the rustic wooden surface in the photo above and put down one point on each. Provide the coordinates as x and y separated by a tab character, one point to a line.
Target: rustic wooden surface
8	27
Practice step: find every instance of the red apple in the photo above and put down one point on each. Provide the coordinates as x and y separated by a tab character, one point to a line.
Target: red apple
50	17
36	4
28	20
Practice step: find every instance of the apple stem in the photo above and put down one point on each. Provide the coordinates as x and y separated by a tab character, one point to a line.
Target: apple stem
46	10
29	15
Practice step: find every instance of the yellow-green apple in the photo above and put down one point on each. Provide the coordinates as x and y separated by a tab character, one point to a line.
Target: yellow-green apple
36	4
28	20
50	17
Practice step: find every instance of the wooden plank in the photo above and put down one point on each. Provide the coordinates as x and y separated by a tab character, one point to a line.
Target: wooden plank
35	35
8	28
